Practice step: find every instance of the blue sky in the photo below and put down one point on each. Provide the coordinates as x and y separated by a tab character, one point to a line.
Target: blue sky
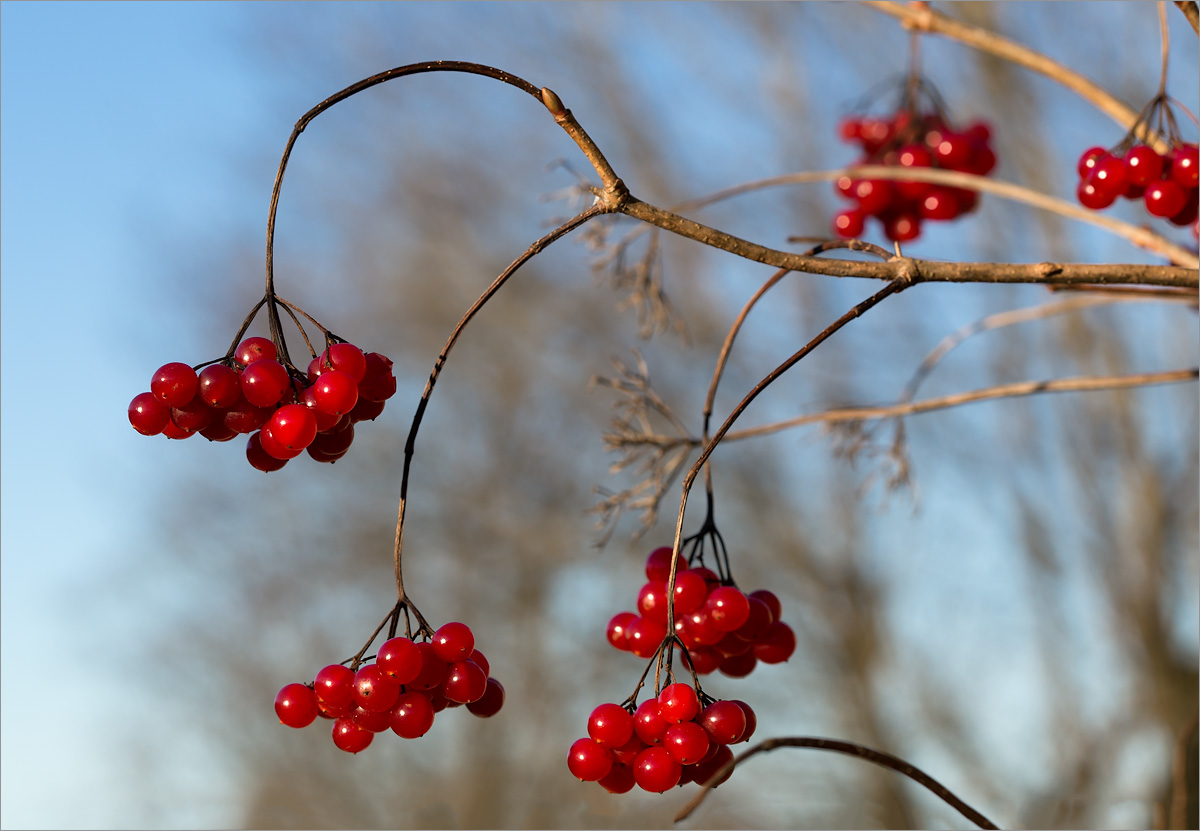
118	124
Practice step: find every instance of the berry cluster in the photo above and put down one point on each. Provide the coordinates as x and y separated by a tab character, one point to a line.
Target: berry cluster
679	737
402	690
910	139
1166	184
253	392
722	628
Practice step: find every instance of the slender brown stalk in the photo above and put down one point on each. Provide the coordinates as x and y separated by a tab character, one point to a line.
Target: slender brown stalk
868	754
1188	7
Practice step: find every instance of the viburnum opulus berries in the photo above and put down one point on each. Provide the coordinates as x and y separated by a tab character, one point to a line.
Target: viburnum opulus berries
1166	184
402	691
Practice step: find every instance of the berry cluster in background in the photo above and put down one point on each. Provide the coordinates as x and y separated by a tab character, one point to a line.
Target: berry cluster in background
679	737
284	412
910	138
722	628
408	683
1165	183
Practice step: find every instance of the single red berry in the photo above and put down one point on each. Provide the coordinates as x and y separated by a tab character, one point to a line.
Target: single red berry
617	630
174	384
589	761
251	349
610	725
1164	198
379	382
294	426
334	685
348	736
1088	160
773	604
619	779
652	602
727	608
690	592
148	414
626	753
902	226
687	743
979	131
218	386
850	223
739	666
412	715
1187	214
174	431
645	636
400	658
374	689
369	720
244	417
453	642
329	447
335	392
757	621
874	196
705	771
710	577
193	416
325	421
703	660
731	645
697	630
776	644
272	447
218	430
1108	175
850	128
751	720
365	409
1094	197
438	699
259	458
982	160
658	564
344	357
433	669
654	770
264	382
335	711
491	701
648	724
1184	165
913	156
465	682
1142	165
678	703
296	705
724	721
939	203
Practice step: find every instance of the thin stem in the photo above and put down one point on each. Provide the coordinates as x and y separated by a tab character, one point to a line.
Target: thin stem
1166	47
921	17
877	757
1188	7
488	293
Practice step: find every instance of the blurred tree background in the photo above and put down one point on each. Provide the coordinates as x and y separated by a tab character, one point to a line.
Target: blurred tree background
1021	622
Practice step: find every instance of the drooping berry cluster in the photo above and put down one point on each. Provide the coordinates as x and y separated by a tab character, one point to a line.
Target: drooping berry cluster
1165	183
253	392
722	628
402	690
910	138
679	737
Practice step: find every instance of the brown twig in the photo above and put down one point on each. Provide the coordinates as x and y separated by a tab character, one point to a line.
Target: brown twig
924	19
1188	7
868	754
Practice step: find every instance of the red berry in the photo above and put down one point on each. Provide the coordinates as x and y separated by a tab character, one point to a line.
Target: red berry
708	768
296	705
757	621
453	642
654	770
335	685
677	703
374	689
739	666
652	602
481	659
217	430
690	591
776	644
368	720
148	414
645	636
329	447
589	761
433	669
251	349
703	660
1142	165
344	357
491	701
619	779
773	604
658	565
913	156
365	409
294	426
953	151
264	382
1187	214
1108	175
348	736
1088	160
618	630
218	386
272	447
174	384
1090	196
648	724
724	721
193	416
412	715
378	383
610	725
751	720
940	203
687	743
850	223
259	458
335	392
982	160
1164	198
696	629
244	417
902	226
1184	166
465	682
850	128
874	196
728	608
400	658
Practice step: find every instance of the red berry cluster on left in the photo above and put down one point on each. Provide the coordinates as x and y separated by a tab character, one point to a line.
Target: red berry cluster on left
665	742
402	690
253	392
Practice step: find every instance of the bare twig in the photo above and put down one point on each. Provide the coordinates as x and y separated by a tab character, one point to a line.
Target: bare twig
1188	7
868	754
921	17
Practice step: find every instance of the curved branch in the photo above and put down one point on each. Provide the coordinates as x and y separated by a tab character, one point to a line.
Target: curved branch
877	757
1188	7
921	18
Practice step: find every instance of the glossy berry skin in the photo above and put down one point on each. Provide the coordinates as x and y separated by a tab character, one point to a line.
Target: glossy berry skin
655	771
618	780
465	682
174	384
335	392
751	721
589	761
272	447
1108	174
453	641
724	722
217	430
259	458
412	715
850	223
244	417
1142	165
399	658
433	669
1088	159
776	644
687	743
264	382
365	409
1184	166
148	415
704	771
251	349
1164	198
296	705
218	386
739	666
690	592
902	226
491	701
728	608
344	357
648	724
617	630
678	703
658	564
294	426
192	416
379	383
773	604
348	736
374	689
644	636
335	684
610	725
